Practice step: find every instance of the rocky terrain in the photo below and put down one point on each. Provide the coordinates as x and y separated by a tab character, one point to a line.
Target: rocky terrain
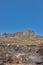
21	54
25	37
21	48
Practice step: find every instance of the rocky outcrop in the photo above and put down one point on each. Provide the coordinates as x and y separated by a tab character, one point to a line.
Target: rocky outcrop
26	33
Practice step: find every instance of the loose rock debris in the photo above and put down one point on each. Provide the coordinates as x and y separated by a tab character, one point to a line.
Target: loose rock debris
20	54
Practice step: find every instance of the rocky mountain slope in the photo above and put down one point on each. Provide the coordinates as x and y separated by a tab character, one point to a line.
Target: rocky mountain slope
21	48
25	37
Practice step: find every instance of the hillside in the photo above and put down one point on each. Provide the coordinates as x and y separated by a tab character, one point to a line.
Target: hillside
25	37
21	48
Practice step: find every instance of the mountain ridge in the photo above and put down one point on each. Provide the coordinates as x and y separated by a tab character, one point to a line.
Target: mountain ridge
25	37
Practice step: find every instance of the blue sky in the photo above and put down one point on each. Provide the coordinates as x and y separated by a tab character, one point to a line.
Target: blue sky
19	15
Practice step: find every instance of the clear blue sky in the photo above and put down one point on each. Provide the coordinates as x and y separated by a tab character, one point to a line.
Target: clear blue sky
19	15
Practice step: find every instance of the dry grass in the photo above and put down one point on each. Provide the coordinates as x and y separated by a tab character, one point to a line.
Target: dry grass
23	40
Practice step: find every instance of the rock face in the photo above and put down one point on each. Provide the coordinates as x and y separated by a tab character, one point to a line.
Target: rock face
26	33
20	54
20	34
